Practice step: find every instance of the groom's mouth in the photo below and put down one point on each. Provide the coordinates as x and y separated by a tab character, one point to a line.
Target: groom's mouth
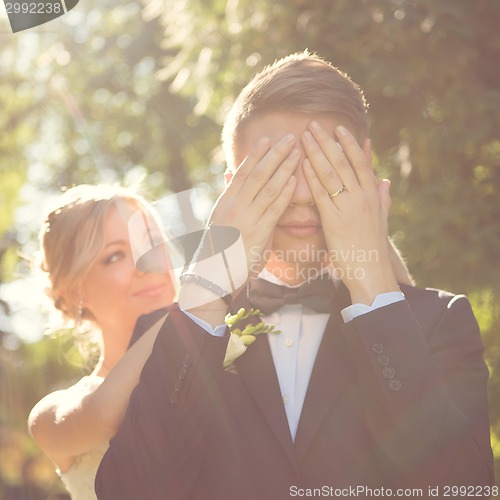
301	229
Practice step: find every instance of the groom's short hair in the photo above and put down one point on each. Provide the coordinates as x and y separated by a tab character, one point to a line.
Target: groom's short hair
299	83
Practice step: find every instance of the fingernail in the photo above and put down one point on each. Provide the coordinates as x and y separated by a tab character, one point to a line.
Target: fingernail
289	138
316	126
263	141
308	137
341	130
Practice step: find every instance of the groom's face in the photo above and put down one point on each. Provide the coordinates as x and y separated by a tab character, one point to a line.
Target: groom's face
298	236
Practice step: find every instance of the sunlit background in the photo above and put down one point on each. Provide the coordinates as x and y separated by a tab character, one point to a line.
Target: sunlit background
118	91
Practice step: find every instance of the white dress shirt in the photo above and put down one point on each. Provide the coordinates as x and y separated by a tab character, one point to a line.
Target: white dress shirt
294	350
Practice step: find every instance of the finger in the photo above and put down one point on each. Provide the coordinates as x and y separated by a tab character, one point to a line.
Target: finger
256	153
275	210
261	172
321	164
320	194
276	183
335	156
384	194
367	150
361	164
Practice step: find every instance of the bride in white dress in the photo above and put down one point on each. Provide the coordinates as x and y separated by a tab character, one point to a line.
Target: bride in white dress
86	252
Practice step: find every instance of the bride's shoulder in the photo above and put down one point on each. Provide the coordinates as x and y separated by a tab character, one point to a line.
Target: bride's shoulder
49	409
86	384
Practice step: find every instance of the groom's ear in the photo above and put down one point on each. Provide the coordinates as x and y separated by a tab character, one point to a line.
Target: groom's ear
228	175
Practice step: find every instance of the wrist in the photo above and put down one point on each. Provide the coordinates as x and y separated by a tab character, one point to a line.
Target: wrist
371	283
206	284
202	303
194	294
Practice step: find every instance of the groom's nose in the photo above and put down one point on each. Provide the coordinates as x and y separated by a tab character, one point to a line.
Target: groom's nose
302	194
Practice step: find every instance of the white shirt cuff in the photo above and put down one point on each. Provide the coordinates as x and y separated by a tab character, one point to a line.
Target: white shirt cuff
381	300
218	331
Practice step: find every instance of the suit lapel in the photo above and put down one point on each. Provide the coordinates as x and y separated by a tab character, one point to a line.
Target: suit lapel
332	371
256	369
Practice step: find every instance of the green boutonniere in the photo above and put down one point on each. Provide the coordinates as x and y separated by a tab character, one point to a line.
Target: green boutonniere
239	339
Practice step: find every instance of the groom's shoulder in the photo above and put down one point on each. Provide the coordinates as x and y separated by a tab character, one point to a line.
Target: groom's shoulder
429	305
145	322
429	295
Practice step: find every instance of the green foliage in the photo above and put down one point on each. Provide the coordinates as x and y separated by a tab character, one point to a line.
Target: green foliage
429	75
15	102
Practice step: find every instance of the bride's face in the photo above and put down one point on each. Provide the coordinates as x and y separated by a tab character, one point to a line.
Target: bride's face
114	291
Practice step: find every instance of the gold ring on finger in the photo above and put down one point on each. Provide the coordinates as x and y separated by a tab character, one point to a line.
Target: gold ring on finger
339	191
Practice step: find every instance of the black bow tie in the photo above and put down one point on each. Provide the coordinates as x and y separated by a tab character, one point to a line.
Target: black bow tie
317	294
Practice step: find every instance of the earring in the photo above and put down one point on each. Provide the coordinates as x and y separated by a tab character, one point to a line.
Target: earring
82	336
82	327
79	314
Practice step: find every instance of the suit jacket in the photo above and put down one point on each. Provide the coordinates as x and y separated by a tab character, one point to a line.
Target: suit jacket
397	399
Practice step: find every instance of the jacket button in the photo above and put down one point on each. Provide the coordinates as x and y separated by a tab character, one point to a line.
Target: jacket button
383	360
389	372
182	373
174	397
395	384
377	348
178	385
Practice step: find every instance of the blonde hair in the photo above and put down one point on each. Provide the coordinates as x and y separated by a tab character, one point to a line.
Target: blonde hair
72	238
299	83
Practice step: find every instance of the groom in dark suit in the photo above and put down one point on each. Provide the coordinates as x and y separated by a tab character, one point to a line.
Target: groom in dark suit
372	388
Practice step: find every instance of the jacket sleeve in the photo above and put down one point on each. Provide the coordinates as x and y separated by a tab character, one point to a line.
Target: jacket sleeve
425	389
156	452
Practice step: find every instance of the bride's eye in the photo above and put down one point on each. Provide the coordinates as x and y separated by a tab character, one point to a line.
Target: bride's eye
114	257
